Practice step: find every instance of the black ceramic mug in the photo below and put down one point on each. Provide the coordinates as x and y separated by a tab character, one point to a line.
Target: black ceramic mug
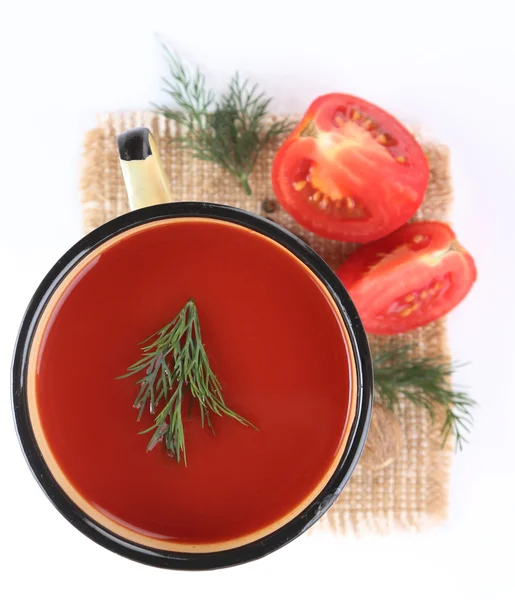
149	197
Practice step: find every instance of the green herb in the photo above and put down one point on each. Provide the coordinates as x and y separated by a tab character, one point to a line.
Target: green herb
425	382
175	362
230	131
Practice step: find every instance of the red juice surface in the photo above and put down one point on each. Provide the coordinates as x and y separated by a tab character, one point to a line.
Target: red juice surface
273	339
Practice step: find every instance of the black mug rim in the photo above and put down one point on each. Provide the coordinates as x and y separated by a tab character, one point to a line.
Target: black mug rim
173	559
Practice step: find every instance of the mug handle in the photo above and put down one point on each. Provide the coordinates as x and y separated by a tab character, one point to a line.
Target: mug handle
142	170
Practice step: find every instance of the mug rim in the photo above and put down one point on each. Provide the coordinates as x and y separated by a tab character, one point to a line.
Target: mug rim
341	473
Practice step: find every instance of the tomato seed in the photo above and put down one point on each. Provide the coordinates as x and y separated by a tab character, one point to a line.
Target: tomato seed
401	159
299	185
369	124
350	203
385	139
309	131
418	238
356	115
340	121
405	306
316	196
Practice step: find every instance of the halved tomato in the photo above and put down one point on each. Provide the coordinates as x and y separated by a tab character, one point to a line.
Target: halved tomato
410	278
350	171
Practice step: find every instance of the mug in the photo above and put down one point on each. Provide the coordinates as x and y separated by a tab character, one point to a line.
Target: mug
33	376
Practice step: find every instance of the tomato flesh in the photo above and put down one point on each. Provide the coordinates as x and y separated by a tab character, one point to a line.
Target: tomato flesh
410	278
350	171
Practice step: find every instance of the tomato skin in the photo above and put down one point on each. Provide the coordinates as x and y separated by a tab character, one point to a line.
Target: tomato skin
408	279
351	187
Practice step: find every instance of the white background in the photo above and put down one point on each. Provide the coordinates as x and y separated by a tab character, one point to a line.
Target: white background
446	66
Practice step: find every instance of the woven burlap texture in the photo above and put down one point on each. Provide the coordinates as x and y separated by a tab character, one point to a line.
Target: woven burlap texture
412	491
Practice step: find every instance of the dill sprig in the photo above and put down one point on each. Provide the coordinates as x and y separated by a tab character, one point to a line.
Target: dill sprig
426	382
230	131
175	362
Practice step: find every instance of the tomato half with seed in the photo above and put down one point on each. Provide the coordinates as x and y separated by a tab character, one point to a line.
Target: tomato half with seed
350	171
410	278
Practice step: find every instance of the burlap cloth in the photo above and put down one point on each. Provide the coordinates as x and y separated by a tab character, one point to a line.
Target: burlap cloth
412	491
